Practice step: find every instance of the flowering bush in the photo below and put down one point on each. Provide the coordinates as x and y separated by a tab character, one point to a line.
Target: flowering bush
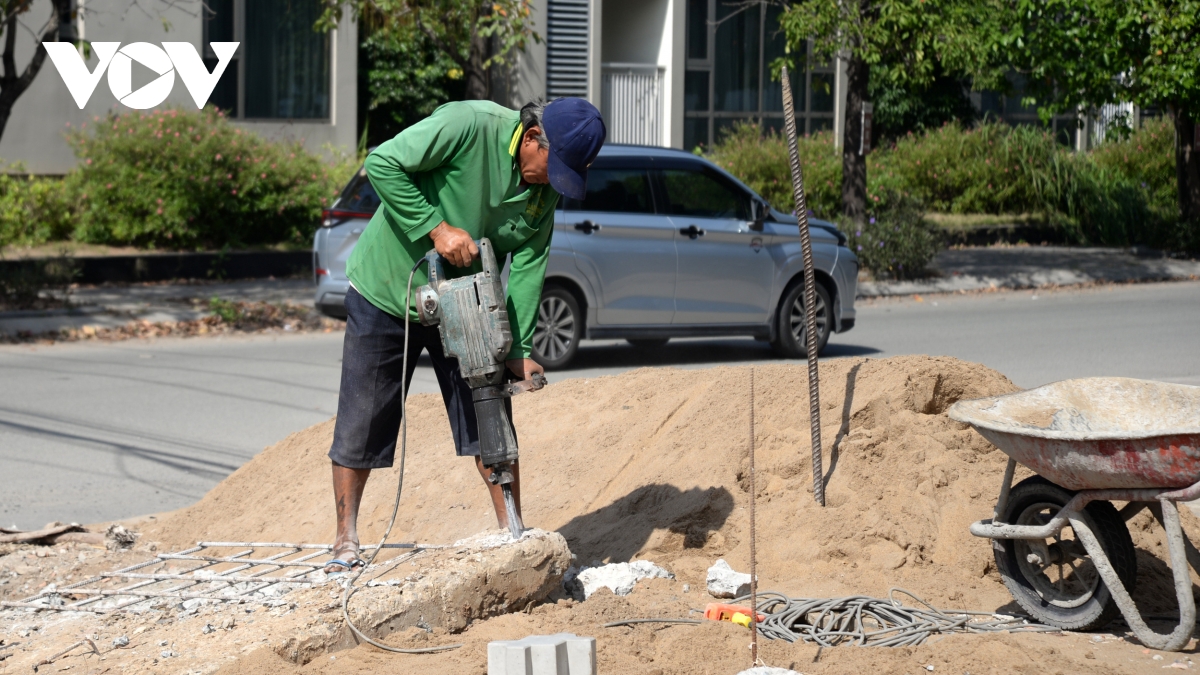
896	241
189	179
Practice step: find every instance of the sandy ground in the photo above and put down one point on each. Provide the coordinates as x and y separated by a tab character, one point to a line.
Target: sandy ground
652	464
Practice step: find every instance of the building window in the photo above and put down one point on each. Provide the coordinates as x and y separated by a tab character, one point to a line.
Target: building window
219	27
730	47
1010	109
281	69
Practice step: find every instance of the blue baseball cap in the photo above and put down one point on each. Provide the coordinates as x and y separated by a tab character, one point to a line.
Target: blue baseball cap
576	133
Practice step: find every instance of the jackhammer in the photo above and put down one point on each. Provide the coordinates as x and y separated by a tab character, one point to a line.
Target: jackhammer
472	320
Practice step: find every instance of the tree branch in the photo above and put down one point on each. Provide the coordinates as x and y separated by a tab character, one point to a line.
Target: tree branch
451	49
13	87
20	7
10	43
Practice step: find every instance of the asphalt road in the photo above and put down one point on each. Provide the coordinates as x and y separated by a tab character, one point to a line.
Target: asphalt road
93	432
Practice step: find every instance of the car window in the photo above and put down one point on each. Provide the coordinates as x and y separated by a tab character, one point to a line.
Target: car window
703	194
615	191
359	195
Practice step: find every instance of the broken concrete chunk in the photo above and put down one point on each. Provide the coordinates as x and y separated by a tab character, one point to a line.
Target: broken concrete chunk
724	582
117	538
51	529
558	654
620	578
448	594
193	604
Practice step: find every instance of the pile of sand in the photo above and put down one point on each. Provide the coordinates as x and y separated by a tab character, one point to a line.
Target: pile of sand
652	464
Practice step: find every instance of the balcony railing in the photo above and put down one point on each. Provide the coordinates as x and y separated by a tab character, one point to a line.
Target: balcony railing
632	97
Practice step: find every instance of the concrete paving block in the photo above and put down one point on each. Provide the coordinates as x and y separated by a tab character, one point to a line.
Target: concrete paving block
558	654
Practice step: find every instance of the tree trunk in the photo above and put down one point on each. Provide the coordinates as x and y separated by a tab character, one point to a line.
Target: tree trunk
474	72
854	162
12	85
1187	163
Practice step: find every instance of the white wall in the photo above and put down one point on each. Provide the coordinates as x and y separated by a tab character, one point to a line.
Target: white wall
595	41
34	135
526	81
674	57
634	31
649	32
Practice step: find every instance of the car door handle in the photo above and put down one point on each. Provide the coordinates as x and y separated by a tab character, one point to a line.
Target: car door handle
691	231
587	227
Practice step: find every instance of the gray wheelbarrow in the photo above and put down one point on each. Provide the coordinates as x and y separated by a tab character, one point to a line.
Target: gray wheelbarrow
1062	548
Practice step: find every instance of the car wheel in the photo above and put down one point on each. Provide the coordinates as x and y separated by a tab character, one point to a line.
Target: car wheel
648	343
792	339
559	328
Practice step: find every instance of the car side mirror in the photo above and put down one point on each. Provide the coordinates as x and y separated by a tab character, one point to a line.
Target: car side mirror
758	214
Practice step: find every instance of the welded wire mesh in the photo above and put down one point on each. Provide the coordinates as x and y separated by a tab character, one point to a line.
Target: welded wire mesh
210	571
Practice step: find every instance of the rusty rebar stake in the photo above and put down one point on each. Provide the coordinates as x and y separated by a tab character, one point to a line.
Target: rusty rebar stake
810	289
753	533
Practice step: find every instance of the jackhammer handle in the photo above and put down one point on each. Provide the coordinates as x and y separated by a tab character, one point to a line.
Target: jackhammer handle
486	255
532	384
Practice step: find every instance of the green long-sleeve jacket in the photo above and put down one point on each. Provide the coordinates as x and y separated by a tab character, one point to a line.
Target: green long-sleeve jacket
459	166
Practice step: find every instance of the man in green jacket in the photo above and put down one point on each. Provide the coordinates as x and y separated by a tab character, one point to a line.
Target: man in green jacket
470	170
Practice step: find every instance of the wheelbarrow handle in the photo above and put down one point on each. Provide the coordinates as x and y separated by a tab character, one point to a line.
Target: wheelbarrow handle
1179	637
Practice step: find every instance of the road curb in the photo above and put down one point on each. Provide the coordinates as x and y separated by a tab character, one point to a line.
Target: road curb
167	266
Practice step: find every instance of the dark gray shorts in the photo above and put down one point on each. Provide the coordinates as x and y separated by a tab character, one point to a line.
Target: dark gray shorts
368	419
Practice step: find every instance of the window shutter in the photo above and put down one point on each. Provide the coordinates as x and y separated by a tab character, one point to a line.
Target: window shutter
567	48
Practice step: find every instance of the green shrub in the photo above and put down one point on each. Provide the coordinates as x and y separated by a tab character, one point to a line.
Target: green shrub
189	179
896	241
32	210
985	169
1146	159
761	162
1092	204
1119	194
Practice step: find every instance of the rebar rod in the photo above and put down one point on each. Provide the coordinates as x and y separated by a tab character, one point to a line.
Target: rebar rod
810	289
753	537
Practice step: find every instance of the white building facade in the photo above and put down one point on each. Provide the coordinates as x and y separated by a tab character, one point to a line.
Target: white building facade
285	81
672	73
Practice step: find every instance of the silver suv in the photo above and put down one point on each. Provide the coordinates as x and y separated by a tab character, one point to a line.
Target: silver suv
665	244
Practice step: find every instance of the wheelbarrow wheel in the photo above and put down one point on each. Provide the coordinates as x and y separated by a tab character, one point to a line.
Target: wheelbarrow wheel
1055	580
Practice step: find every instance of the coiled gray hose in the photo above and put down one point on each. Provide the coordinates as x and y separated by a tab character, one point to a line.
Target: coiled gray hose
872	622
810	290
